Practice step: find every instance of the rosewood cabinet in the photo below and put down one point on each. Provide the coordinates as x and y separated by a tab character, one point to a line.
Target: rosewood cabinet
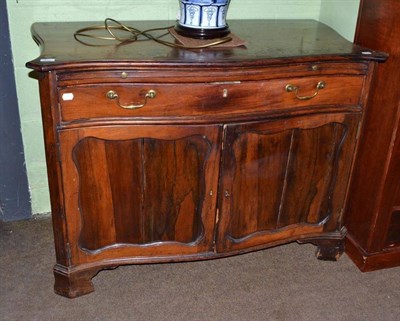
373	216
158	154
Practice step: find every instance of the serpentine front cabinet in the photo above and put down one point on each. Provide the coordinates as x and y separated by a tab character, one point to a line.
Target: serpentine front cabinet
159	154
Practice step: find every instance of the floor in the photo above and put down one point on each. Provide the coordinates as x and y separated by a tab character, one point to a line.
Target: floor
282	283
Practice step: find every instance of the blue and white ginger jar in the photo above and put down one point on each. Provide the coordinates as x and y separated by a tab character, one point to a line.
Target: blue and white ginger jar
206	15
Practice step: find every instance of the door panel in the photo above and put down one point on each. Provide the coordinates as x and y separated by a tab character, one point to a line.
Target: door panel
282	179
140	190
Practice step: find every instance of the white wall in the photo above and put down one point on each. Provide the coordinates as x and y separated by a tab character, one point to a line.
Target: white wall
341	15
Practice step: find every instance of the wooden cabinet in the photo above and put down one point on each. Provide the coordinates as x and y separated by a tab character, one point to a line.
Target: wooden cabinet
373	216
187	155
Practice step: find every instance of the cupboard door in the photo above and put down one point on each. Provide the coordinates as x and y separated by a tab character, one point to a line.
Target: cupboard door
284	179
140	190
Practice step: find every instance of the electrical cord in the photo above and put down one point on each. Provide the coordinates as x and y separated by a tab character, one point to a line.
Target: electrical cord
134	35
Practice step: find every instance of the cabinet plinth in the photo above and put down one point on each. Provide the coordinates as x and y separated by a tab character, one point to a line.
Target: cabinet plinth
158	154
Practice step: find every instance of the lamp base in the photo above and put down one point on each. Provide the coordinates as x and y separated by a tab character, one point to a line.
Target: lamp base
200	33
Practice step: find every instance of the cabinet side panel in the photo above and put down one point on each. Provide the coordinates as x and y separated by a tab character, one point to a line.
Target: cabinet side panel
374	178
393	235
48	100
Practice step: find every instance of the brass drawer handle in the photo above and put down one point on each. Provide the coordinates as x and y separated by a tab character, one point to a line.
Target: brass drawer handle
112	95
293	88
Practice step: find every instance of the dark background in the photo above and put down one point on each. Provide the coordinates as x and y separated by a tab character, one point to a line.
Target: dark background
14	192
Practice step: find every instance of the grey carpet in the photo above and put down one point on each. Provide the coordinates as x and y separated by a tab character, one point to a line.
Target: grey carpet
282	283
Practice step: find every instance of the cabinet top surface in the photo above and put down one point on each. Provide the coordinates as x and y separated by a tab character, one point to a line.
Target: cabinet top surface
268	42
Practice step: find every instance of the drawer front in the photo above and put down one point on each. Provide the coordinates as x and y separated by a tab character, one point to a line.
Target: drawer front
102	101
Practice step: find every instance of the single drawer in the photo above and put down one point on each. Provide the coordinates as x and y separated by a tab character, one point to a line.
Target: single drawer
191	100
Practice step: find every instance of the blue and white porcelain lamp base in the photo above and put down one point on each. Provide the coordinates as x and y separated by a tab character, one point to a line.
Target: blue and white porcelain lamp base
203	19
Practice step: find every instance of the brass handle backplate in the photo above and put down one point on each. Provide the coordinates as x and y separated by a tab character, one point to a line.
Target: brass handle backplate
295	89
113	95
